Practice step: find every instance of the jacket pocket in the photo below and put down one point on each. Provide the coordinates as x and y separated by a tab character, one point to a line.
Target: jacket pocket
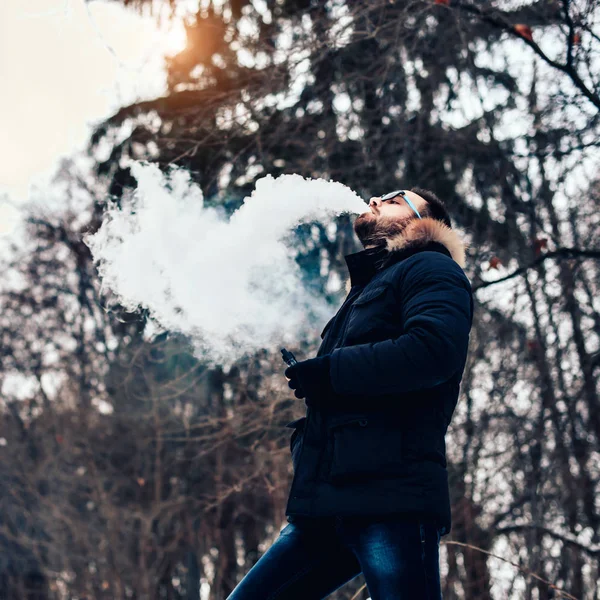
373	316
369	295
364	447
298	426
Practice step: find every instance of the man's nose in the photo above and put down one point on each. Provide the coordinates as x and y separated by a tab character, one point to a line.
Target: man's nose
375	202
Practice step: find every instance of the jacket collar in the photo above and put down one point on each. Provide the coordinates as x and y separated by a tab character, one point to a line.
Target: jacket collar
418	235
363	265
421	232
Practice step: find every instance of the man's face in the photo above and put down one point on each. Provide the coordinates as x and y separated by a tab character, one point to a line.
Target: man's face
385	218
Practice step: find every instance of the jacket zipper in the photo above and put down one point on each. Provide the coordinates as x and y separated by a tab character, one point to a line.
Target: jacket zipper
301	449
347	321
299	455
343	338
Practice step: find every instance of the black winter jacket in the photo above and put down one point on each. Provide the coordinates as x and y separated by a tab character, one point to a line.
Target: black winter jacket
398	347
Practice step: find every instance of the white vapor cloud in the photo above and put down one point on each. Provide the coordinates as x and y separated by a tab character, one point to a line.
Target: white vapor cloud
231	285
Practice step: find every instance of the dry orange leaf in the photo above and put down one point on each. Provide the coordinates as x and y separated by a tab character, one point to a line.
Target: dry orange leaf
524	31
494	262
577	38
141	481
444	2
539	244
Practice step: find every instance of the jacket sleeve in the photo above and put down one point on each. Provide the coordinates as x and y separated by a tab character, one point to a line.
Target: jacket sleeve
436	316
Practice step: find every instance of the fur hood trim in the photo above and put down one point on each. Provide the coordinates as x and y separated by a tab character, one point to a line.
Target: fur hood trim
420	232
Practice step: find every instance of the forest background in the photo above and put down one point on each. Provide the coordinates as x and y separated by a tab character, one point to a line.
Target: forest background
130	469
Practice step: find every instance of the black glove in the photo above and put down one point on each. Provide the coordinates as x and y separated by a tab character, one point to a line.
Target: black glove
310	380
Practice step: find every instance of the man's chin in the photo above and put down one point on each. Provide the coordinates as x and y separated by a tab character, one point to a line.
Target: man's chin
374	230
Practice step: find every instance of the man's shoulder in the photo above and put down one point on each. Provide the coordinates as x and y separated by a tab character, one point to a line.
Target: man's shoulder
427	264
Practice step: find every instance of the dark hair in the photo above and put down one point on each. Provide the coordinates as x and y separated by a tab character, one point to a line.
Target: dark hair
435	208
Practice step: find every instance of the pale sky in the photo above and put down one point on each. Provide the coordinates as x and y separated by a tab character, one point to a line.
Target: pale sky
64	65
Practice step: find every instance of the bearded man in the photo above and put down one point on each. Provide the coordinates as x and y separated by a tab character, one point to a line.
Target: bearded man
370	490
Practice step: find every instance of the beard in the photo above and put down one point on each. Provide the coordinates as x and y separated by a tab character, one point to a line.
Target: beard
374	231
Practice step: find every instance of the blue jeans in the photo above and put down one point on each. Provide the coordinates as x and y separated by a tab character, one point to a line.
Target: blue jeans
398	556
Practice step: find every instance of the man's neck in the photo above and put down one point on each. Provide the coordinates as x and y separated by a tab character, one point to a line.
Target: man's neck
364	264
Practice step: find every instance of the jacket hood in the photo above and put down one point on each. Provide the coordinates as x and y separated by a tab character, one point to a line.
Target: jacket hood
420	232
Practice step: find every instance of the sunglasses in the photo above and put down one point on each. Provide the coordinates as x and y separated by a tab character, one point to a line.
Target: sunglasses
403	194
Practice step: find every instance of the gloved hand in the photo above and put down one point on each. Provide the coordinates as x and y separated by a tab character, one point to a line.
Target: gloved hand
310	380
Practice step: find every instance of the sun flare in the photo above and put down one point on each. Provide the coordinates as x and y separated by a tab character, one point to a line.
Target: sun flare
173	39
